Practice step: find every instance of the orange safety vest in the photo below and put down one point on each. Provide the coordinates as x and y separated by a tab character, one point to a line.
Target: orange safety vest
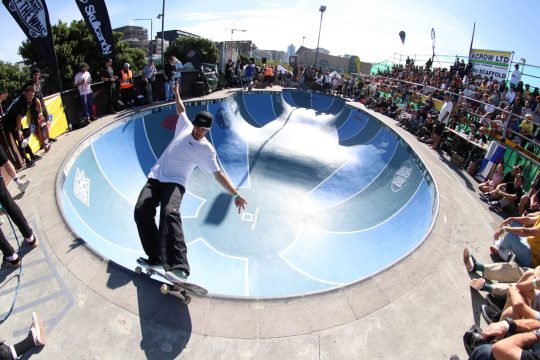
127	78
268	71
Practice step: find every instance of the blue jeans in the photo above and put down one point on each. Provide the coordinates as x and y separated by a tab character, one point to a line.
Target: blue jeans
168	90
519	246
87	102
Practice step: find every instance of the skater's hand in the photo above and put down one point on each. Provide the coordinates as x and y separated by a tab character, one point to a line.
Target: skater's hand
240	203
176	88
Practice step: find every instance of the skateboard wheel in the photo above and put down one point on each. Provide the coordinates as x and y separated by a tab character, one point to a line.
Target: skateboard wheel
164	289
138	270
187	299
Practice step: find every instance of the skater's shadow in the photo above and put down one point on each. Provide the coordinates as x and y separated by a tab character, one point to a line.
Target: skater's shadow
165	320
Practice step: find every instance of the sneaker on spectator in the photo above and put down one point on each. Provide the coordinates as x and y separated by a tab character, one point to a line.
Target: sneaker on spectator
485	196
23	185
495	204
13	260
37	330
31	241
490	314
496	302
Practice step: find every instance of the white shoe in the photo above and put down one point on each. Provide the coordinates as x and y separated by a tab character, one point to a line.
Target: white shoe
37	330
23	185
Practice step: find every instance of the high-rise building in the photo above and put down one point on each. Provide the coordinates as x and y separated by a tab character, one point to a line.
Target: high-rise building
135	36
291	50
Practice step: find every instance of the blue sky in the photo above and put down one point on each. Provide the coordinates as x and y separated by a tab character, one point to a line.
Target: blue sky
367	29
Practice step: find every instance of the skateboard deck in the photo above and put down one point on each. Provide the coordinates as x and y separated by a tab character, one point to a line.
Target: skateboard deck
178	289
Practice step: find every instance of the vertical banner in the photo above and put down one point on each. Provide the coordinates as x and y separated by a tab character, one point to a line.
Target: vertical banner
33	18
97	19
491	63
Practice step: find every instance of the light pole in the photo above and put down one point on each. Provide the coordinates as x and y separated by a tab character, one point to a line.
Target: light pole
523	61
322	9
303	38
162	17
151	33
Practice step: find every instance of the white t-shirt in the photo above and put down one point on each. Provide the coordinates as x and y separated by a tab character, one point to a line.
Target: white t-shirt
515	77
179	66
183	154
84	88
446	108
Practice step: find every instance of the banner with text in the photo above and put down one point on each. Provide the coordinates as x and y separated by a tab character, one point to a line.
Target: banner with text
96	16
491	63
33	18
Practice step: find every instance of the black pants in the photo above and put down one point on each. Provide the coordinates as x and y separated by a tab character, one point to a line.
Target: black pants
166	242
110	91
14	212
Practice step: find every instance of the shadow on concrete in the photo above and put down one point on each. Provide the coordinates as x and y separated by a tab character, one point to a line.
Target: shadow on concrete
457	171
219	209
165	321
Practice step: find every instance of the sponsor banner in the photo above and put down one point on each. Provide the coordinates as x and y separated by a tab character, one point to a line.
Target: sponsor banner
57	122
33	18
97	19
491	63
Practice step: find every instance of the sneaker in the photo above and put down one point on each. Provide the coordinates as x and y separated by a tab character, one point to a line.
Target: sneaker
31	241
23	185
13	260
52	139
37	330
496	302
490	314
176	275
485	196
30	163
495	204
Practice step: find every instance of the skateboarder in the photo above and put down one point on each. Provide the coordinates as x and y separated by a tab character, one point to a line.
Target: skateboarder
166	186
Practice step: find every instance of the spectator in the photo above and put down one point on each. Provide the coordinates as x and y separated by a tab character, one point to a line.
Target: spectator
178	66
4	160
13	125
515	77
496	179
35	338
82	80
249	72
109	80
229	73
169	72
149	78
39	116
444	118
127	88
522	239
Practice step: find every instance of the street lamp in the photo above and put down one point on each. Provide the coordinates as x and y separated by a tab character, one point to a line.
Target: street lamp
162	17
523	61
322	9
151	33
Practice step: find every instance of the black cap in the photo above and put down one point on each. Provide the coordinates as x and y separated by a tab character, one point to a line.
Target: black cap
203	119
35	70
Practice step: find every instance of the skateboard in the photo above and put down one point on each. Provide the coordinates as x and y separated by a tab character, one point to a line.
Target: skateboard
180	290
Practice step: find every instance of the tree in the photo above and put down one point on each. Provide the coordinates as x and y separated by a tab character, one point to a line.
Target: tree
12	79
74	44
193	49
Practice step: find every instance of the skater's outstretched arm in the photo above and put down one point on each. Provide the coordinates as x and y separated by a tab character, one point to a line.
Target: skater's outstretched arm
224	181
180	108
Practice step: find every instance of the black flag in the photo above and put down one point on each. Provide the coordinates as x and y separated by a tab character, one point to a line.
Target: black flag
33	18
96	17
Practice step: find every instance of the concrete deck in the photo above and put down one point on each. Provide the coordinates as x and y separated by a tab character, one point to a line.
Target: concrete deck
417	309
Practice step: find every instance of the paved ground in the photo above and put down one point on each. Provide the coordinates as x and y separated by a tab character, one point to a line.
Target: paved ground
417	309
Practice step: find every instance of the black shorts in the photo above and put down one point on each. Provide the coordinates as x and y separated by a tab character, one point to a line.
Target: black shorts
439	129
529	355
3	156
